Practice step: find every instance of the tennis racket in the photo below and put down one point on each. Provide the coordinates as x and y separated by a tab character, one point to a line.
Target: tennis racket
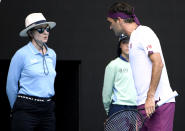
130	120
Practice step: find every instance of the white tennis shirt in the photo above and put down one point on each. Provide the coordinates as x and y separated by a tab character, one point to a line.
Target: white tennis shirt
143	41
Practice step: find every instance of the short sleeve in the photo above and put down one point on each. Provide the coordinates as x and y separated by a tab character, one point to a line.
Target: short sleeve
150	42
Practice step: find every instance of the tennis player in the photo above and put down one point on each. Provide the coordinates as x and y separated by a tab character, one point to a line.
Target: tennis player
148	67
119	92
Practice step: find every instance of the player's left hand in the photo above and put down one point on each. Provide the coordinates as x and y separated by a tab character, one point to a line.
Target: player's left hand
150	106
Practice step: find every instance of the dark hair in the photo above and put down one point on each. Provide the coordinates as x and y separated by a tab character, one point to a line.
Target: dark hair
122	7
30	32
125	40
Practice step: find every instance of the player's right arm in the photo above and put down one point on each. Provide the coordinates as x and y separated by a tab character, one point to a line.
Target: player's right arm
151	46
157	67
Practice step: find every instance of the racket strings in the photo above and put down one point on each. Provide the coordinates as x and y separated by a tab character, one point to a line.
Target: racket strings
124	121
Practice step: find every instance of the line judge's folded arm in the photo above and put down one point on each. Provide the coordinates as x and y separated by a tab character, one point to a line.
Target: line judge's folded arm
14	74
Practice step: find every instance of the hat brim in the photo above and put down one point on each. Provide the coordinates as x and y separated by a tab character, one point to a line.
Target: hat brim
23	33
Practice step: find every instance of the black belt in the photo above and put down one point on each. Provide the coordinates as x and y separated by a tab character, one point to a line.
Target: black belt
33	98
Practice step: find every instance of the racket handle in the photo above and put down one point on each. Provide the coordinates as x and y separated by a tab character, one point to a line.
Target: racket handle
161	102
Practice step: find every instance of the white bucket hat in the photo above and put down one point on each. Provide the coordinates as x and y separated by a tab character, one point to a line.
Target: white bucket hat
33	20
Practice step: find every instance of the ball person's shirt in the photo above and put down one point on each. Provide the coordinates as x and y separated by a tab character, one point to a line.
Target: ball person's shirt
118	86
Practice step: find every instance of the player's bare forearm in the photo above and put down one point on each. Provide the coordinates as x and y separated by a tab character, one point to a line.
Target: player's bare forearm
157	66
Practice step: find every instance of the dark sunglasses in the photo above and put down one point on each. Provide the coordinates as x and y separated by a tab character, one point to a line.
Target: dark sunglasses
41	30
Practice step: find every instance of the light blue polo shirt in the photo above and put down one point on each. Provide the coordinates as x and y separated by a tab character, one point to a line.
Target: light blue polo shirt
26	67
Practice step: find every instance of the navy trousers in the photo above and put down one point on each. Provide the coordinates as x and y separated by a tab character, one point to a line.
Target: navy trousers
115	108
33	116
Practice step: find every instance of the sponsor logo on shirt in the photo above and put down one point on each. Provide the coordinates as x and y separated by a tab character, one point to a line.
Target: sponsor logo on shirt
149	47
49	60
33	61
123	70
